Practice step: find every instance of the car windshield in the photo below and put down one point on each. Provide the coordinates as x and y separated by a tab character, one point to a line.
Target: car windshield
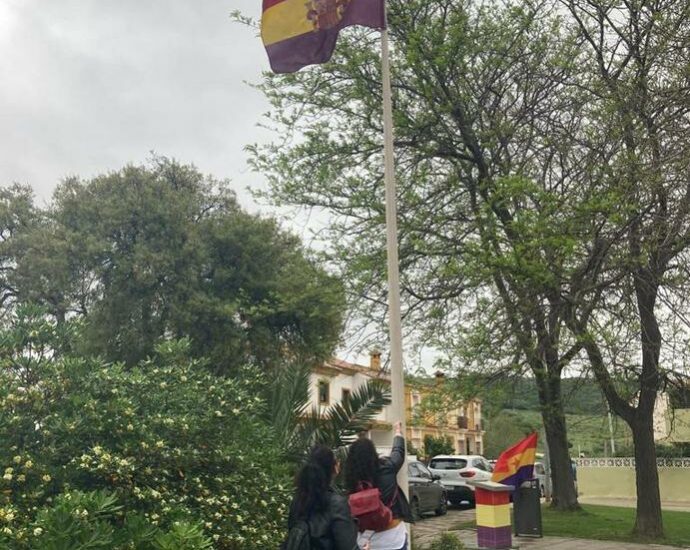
448	463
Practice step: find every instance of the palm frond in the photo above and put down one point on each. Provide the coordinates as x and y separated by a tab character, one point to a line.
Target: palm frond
289	399
342	422
298	428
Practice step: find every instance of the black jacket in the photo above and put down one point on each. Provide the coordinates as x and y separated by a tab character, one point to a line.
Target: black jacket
332	528
387	482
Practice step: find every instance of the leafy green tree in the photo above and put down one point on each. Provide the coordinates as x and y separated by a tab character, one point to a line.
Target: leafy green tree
494	221
441	445
18	216
503	431
633	70
158	251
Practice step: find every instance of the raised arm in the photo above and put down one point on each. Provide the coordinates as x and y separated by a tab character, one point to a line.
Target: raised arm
397	457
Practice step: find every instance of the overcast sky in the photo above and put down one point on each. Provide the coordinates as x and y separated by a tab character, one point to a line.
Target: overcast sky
87	86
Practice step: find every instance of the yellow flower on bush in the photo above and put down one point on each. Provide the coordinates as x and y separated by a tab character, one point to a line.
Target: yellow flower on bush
46	478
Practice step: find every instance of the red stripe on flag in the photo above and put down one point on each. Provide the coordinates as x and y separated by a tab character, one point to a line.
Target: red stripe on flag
271	3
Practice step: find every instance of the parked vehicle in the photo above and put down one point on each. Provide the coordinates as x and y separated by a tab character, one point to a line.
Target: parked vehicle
426	493
456	470
540	474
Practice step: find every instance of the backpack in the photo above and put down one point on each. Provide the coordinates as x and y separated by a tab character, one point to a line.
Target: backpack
299	537
371	513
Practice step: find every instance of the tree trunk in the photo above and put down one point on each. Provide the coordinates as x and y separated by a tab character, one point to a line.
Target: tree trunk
553	415
648	522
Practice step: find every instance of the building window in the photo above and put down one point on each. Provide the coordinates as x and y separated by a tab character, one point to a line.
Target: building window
478	447
346	396
324	391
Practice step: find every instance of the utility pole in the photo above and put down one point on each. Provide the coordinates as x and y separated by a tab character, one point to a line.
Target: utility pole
613	443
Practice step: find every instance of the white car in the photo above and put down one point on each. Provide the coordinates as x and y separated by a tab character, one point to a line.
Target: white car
455	471
540	476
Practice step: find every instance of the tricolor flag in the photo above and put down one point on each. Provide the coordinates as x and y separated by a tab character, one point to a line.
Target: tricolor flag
516	465
298	33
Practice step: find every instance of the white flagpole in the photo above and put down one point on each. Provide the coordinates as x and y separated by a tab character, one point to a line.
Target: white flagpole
394	322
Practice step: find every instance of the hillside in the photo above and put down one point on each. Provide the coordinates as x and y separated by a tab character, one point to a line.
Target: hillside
580	395
511	409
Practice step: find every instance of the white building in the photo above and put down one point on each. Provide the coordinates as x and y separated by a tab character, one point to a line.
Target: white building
336	380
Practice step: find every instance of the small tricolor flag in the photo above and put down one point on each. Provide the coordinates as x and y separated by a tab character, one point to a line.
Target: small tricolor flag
516	464
298	33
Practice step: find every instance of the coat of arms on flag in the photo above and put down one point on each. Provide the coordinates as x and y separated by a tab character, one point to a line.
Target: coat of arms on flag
298	33
326	14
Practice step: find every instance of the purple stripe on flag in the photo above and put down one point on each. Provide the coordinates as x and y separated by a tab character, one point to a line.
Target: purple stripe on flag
494	537
315	47
525	473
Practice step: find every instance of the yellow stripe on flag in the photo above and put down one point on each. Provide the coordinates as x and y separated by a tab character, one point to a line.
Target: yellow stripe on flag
285	20
493	516
515	462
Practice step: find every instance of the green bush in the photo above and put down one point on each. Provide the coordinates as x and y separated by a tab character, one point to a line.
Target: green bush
173	442
446	541
441	445
96	521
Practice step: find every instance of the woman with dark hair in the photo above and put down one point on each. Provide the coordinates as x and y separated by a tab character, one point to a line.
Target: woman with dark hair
364	468
317	510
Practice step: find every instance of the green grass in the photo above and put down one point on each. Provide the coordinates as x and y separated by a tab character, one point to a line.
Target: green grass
612	523
608	523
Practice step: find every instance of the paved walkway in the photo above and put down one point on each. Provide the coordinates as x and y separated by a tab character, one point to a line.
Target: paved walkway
426	530
431	527
469	537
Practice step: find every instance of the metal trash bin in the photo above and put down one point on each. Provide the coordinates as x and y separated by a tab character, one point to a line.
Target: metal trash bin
527	509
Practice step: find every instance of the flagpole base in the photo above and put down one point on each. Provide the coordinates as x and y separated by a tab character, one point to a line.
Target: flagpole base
494	528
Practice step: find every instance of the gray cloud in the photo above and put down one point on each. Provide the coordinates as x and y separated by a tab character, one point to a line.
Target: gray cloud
88	86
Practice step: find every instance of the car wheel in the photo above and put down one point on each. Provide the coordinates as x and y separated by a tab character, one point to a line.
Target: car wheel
473	503
416	510
442	509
